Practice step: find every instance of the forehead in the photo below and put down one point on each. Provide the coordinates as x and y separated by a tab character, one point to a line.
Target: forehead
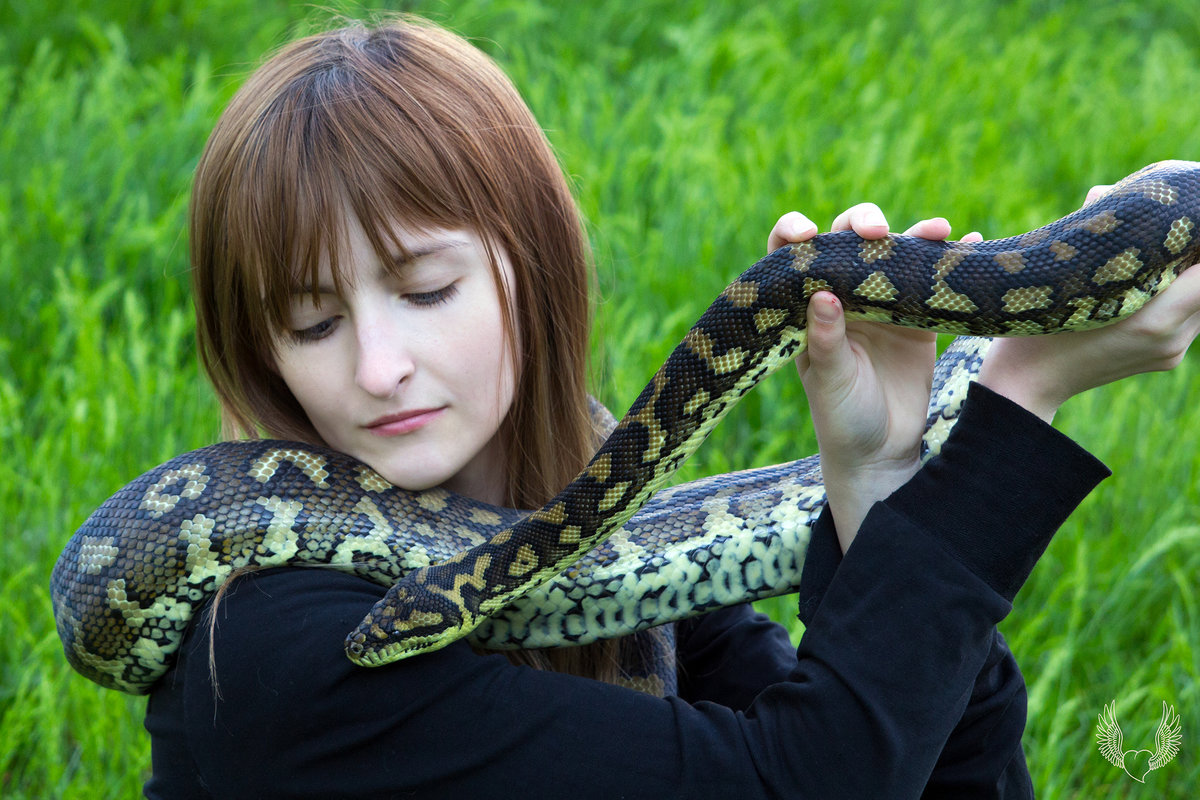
388	247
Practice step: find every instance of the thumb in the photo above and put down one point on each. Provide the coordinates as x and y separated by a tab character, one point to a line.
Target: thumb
828	361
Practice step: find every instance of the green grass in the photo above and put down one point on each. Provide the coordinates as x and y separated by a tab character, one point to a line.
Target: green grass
687	130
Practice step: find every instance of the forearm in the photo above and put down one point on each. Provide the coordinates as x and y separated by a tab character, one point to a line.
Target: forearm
1021	479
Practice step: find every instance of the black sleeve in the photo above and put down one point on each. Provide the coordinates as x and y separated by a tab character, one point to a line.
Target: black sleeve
731	655
982	757
881	678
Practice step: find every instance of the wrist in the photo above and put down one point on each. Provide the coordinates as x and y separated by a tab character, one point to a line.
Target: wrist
851	491
1009	371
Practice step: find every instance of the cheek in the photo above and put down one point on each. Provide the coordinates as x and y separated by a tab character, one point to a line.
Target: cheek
308	379
485	359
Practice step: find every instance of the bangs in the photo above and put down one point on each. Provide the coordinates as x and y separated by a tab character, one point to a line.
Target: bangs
363	136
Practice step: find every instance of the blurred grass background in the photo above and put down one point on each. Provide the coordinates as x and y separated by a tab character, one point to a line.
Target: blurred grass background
687	128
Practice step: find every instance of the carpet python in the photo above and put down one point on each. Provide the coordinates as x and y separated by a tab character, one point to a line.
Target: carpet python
601	559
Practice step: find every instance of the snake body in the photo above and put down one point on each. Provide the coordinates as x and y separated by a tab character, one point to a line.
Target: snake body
583	567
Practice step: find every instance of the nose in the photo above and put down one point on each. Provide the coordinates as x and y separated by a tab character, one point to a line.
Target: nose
385	359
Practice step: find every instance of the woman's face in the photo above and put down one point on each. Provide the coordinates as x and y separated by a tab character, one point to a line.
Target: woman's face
411	374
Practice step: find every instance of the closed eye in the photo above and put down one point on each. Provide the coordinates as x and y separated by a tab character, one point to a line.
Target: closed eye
433	298
315	332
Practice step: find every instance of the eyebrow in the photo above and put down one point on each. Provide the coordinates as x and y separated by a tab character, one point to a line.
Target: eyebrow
423	250
398	261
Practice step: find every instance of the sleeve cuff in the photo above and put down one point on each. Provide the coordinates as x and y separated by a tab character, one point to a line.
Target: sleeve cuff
820	563
1014	480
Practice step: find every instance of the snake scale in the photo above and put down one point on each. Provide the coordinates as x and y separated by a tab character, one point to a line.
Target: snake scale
584	566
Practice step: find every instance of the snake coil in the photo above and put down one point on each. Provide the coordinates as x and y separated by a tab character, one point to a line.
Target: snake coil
583	567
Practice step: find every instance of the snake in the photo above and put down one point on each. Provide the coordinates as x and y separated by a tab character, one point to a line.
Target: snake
610	554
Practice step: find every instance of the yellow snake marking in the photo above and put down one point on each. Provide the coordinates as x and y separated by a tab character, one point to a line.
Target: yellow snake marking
1133	299
648	419
600	468
612	496
158	503
202	562
1024	327
279	540
877	288
1104	222
872	250
741	294
310	464
474	578
1027	298
1082	310
96	553
1179	235
946	299
373	541
812	286
946	264
417	619
570	535
434	500
1160	192
803	255
370	480
691	406
1011	262
1033	238
1063	251
767	318
1119	268
525	562
482	516
701	344
555	515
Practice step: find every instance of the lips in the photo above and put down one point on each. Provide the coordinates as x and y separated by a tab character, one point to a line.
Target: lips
404	421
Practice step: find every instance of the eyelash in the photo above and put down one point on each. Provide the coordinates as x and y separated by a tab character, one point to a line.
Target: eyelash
315	332
420	299
436	297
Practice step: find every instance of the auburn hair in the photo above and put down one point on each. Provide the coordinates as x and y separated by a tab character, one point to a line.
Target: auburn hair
398	120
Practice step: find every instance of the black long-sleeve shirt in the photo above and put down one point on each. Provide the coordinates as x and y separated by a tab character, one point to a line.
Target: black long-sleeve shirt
900	686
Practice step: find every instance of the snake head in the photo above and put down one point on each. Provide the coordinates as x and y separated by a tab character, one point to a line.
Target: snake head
413	617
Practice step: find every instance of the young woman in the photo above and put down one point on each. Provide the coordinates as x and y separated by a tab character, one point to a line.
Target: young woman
387	261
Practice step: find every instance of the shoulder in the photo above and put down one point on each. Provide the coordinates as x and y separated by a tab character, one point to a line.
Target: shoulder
269	698
283	632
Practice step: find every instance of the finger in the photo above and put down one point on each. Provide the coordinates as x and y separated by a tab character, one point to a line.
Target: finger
936	228
1096	192
865	219
973	236
791	227
1180	301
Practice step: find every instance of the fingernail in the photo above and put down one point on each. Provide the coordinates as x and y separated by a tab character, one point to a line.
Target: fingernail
875	219
802	227
825	309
